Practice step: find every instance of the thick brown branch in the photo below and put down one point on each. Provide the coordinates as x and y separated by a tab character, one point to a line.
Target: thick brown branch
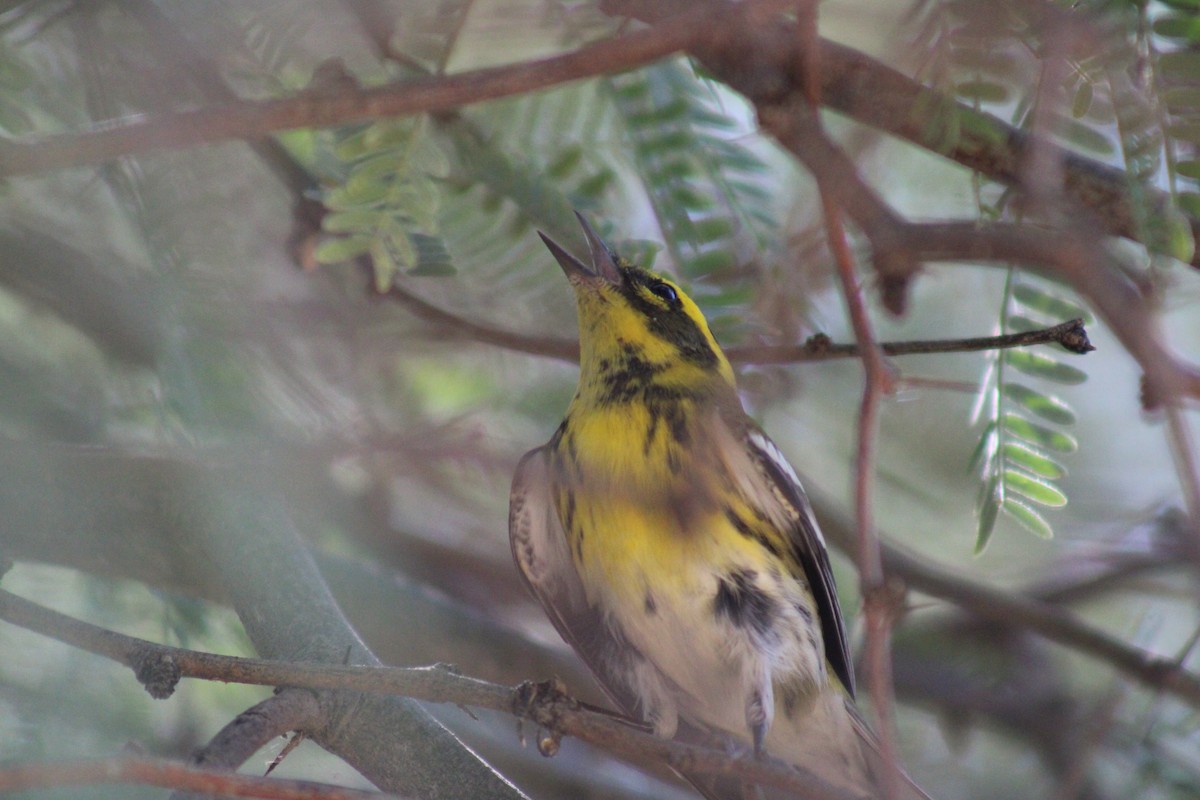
1069	256
254	120
249	731
877	95
434	684
851	82
1052	622
169	775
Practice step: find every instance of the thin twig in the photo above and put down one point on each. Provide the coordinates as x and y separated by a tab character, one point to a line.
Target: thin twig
1071	335
878	603
561	349
879	608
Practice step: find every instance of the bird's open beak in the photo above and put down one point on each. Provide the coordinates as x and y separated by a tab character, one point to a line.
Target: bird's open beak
604	263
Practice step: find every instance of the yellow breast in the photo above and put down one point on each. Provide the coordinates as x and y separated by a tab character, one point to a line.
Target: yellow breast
647	505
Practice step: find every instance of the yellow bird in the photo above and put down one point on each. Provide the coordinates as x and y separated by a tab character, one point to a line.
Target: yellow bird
672	545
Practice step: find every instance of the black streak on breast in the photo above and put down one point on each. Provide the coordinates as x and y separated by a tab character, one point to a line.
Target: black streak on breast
744	604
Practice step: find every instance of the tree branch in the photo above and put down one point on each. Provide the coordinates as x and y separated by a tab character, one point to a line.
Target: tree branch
170	775
1050	621
243	736
878	604
850	82
253	120
238	526
885	99
1070	334
545	705
549	347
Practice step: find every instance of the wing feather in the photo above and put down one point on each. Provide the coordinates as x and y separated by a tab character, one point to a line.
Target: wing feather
543	558
769	482
809	545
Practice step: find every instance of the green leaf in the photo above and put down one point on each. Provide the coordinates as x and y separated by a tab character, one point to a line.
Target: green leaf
1182	65
710	261
1030	459
596	185
1039	435
689	198
358	219
433	270
1082	100
1170	234
354	145
384	265
342	248
652	117
1188	169
377	169
982	91
1031	520
365	194
984	444
712	228
1178	27
1045	406
566	162
1182	98
1086	137
1018	323
1052	305
1033	488
1042	366
1187	131
1189	203
989	508
666	142
751	190
699	115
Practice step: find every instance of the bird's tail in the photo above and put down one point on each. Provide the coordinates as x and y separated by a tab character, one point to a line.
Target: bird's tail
832	743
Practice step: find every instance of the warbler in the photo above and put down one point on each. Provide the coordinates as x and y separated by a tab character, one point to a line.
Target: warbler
672	545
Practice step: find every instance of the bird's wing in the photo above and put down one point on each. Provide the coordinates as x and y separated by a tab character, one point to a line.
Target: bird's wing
770	484
543	558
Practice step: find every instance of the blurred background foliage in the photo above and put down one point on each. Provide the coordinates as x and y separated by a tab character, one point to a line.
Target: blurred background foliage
320	310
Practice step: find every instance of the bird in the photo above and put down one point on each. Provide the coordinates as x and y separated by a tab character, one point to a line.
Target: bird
672	545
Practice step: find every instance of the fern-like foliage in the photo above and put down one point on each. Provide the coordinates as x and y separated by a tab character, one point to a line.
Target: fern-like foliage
1006	58
704	184
524	163
385	203
1095	77
1024	437
1173	47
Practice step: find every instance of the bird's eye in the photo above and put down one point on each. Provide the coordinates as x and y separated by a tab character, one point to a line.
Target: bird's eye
665	292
